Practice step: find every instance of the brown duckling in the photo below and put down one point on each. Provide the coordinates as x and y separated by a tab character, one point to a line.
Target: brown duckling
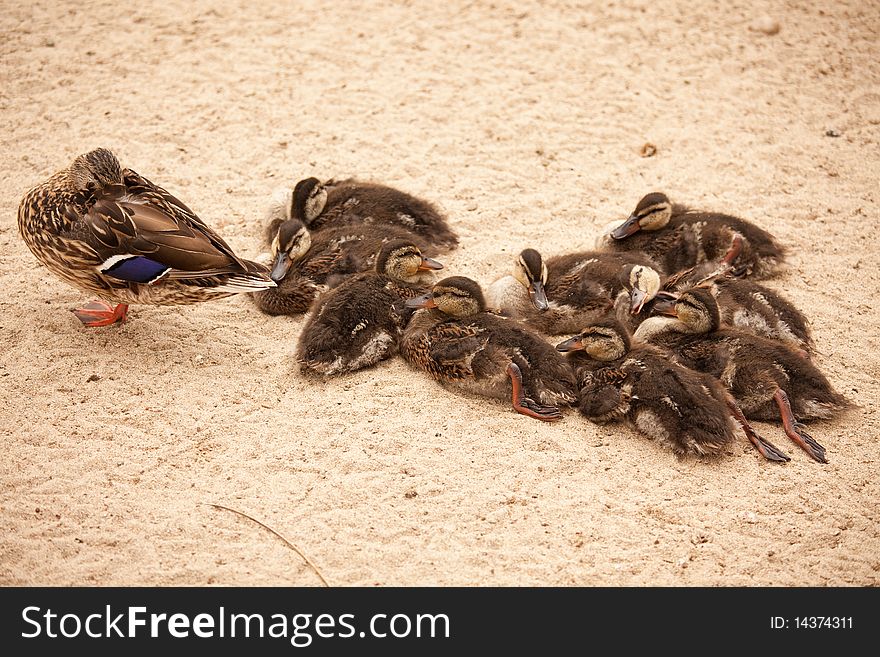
744	304
307	263
355	324
679	237
351	201
768	378
571	291
462	346
619	378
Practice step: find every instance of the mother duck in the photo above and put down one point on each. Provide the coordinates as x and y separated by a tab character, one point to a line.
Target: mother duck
112	232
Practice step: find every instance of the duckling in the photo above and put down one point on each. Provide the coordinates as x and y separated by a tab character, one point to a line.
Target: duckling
744	304
307	263
355	324
571	291
679	237
112	232
768	378
352	201
619	378
462	346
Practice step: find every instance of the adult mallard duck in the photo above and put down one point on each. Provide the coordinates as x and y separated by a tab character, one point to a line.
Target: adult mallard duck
619	378
679	237
462	346
566	293
357	324
306	263
768	378
352	201
112	232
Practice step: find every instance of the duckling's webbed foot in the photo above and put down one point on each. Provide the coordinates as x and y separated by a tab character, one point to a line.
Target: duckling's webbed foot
99	313
526	406
765	448
796	431
736	246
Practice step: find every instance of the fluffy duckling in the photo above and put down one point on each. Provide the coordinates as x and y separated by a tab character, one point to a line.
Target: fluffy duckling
768	379
112	232
679	237
462	346
351	201
619	378
355	325
569	292
744	304
306	264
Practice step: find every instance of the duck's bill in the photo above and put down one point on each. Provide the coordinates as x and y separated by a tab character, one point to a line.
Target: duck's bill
627	228
424	301
665	306
637	300
538	295
429	264
572	344
281	267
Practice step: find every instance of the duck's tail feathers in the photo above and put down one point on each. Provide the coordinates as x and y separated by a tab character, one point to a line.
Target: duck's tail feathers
248	282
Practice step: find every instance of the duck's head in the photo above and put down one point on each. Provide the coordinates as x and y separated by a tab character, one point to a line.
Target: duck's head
308	200
652	213
94	170
530	270
403	261
455	296
643	284
289	245
697	309
606	340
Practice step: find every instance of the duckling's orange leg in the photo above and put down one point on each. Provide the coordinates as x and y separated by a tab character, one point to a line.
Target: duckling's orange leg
767	449
796	431
98	313
526	406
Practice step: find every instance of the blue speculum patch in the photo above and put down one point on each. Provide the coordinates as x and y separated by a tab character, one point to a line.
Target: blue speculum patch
137	269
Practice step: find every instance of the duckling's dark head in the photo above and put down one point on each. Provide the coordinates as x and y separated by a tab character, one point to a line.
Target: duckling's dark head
403	261
308	200
642	282
697	309
94	170
606	340
290	244
652	213
530	270
456	296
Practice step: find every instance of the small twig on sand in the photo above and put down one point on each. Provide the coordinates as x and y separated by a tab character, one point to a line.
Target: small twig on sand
268	528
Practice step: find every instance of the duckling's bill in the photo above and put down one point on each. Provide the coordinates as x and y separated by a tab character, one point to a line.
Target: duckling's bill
572	344
424	301
627	228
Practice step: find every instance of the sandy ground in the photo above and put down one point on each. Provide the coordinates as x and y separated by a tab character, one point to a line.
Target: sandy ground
525	124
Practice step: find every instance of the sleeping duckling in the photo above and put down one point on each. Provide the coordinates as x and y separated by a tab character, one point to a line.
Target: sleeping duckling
744	304
679	237
569	292
767	378
351	201
112	232
306	263
354	325
619	378
462	346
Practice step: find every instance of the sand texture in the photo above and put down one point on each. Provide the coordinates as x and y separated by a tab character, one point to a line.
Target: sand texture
525	124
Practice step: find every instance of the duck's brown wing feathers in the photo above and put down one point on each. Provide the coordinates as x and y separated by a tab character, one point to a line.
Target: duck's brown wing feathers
139	218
